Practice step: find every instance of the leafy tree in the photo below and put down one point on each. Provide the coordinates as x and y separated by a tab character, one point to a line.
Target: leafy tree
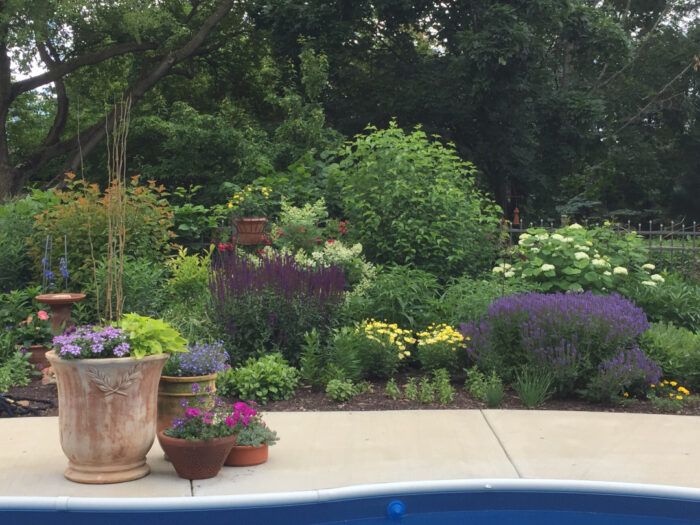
139	39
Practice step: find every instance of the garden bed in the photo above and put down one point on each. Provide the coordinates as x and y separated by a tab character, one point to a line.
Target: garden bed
307	400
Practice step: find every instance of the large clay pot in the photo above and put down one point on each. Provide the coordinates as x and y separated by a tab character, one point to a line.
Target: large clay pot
172	390
60	304
196	459
250	230
107	411
246	456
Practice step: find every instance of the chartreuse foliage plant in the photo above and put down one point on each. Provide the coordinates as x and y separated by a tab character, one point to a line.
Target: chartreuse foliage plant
414	201
148	336
586	343
576	258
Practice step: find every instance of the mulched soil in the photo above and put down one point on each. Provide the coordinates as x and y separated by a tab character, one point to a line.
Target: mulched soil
36	399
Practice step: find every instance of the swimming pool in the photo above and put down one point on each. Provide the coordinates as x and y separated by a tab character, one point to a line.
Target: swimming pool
430	502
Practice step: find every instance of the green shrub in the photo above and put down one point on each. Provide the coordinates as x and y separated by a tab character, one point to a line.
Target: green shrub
16	225
399	295
81	215
574	258
142	282
15	371
413	201
268	378
17	304
187	287
676	301
676	350
466	299
338	360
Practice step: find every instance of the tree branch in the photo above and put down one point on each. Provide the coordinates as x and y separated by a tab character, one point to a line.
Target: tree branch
95	133
50	58
69	66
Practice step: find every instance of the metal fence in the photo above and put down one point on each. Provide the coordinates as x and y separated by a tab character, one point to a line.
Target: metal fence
672	242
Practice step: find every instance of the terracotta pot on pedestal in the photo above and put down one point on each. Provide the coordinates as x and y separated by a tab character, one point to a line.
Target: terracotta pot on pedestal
107	410
250	230
60	304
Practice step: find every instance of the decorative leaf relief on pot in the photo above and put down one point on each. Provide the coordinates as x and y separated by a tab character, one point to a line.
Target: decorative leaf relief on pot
117	385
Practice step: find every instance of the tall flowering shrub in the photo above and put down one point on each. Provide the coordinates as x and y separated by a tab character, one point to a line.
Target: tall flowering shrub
266	304
574	336
576	258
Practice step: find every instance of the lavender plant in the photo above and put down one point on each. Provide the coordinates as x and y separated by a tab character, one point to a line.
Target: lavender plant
200	360
267	304
567	335
628	371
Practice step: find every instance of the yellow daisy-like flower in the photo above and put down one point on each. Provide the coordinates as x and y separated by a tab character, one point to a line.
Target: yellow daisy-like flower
653	385
679	397
683	390
626	394
673	383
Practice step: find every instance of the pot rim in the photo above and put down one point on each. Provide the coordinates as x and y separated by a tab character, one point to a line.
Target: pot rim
185	379
52	355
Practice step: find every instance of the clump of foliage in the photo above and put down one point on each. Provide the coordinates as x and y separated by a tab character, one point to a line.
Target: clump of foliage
398	294
15	370
488	388
533	386
81	214
676	350
268	378
16	225
414	201
268	303
341	390
675	301
466	299
392	390
572	337
576	258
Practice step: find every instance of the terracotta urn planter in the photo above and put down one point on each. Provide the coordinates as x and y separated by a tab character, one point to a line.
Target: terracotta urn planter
246	456
172	390
37	356
250	230
60	304
107	411
196	459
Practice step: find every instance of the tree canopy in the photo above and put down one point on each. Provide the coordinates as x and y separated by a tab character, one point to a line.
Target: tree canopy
561	104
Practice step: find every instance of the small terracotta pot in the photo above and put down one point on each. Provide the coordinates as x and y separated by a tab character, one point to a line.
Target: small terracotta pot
246	456
250	230
37	356
173	389
196	459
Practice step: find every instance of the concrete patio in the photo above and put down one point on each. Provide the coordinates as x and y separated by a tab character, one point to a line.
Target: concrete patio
325	450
